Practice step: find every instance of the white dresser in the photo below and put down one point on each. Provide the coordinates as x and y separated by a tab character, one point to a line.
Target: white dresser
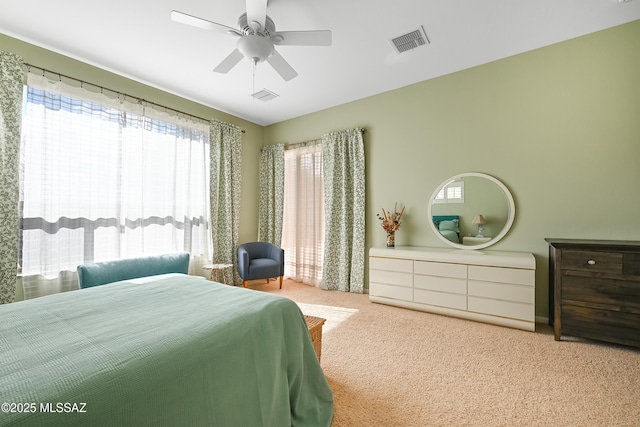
486	286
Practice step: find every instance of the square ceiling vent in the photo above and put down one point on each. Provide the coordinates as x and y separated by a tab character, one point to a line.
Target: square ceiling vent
411	40
265	95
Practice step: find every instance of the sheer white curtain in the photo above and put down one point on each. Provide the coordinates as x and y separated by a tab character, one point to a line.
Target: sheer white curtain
303	217
103	179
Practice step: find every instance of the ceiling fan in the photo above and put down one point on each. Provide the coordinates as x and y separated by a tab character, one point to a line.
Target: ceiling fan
257	38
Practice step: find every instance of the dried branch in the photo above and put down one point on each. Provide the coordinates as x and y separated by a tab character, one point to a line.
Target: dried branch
391	221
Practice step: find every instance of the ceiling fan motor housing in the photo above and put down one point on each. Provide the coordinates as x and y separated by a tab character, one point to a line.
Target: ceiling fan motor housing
267	31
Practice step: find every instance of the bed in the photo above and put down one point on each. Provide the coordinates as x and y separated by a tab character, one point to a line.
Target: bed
448	226
169	350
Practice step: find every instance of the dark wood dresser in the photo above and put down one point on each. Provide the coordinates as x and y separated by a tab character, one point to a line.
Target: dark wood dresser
594	289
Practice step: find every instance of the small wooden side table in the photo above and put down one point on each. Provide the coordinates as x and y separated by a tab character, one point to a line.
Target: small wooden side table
314	324
217	270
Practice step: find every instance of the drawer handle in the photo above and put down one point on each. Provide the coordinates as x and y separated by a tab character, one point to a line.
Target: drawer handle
591	262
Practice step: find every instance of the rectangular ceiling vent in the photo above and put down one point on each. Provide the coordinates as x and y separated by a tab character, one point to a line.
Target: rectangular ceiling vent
265	95
410	40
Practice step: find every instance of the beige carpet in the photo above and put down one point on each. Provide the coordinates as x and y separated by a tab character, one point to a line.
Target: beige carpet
389	366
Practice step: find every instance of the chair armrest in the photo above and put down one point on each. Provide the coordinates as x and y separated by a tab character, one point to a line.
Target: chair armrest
243	262
277	253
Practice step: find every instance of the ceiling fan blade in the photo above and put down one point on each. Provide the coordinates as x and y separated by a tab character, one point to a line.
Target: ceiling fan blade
194	21
303	38
257	11
283	68
229	62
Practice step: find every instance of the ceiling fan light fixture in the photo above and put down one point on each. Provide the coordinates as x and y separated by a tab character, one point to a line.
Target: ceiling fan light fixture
255	48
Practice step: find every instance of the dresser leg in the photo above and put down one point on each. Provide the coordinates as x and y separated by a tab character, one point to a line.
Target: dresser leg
557	312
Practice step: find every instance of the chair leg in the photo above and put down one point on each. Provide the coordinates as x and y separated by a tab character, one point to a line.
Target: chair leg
244	283
280	282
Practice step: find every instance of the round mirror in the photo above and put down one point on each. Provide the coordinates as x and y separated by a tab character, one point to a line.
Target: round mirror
471	211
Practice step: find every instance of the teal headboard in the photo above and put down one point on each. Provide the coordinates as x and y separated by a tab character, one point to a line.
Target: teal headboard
450	229
438	218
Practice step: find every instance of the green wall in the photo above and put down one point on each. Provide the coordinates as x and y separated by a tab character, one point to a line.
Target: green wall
559	126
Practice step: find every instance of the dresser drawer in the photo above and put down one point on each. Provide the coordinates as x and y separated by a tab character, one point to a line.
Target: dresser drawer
391	264
592	261
599	323
440	299
502	275
390	291
441	284
391	277
513	310
440	269
617	295
502	291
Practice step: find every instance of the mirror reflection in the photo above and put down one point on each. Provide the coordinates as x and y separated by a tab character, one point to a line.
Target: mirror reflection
471	211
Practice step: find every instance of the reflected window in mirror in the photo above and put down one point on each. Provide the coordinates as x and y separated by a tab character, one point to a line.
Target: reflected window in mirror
452	192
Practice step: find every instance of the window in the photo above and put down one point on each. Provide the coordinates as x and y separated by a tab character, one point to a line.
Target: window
303	215
105	179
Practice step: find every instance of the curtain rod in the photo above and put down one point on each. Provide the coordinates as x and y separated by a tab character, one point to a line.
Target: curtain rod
295	144
83	82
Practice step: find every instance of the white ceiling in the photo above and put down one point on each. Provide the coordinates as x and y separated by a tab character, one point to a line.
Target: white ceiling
137	39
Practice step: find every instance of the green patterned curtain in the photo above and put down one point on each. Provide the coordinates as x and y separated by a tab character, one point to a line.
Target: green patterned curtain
271	194
226	180
343	163
11	83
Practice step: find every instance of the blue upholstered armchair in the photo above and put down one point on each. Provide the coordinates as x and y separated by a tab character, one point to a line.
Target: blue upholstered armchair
260	260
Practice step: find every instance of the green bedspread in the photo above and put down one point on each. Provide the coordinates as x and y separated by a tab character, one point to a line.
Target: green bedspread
174	351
